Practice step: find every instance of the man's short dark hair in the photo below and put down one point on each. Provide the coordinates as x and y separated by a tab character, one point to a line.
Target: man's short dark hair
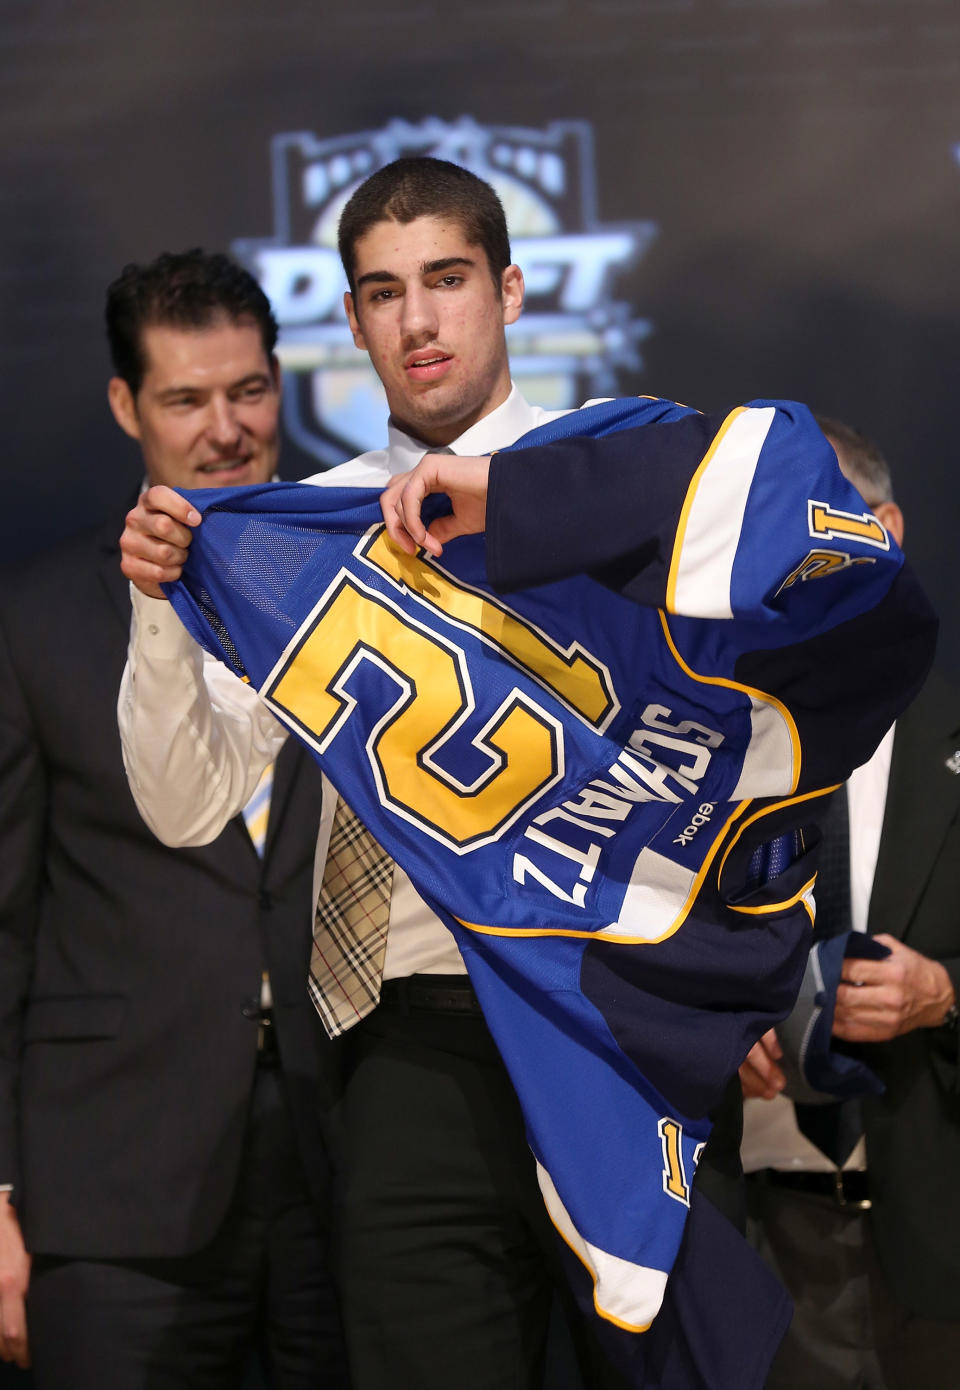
424	187
186	289
861	460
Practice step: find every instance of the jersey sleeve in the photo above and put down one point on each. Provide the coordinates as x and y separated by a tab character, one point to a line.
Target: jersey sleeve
701	515
768	568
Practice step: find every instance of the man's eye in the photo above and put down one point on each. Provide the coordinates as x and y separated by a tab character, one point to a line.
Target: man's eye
182	402
253	392
379	296
449	281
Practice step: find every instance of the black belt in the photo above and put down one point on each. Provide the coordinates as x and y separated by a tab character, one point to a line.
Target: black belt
849	1189
441	994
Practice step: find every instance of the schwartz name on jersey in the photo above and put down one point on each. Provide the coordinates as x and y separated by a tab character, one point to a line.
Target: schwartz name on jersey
581	783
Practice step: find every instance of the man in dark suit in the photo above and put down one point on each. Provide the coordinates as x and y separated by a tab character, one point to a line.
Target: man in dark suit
869	1250
163	1077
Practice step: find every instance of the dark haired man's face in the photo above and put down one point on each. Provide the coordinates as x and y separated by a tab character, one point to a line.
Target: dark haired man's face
207	411
427	311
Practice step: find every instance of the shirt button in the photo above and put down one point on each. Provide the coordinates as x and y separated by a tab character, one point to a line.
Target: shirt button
153	629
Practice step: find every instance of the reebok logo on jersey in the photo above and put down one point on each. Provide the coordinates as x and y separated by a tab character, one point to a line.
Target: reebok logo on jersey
701	817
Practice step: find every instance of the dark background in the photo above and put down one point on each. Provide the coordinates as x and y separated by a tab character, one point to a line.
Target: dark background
799	158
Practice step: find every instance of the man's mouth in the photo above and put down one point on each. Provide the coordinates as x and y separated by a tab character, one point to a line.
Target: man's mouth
427	365
217	466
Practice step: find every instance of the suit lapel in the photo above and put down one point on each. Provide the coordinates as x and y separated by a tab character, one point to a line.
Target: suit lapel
922	799
111	576
291	767
285	771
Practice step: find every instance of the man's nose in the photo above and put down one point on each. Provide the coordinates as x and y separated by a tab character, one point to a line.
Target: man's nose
419	319
223	426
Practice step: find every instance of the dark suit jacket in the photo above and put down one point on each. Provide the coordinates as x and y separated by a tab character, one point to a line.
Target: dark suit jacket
913	1130
128	971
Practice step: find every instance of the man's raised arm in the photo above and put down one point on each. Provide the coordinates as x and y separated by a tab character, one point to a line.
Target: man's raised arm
195	738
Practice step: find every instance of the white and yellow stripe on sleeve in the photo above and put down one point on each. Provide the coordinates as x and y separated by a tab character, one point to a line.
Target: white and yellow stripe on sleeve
712	516
626	1294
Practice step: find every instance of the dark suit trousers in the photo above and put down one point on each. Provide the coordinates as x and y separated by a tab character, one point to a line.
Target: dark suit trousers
190	1323
448	1263
849	1332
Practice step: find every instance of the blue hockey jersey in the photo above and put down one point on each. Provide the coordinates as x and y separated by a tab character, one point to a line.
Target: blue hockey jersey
580	784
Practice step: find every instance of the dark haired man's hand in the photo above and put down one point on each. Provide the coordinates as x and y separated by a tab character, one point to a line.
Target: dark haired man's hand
156	538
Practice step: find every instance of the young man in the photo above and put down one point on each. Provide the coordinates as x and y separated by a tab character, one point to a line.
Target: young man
161	1130
447	1260
447	1263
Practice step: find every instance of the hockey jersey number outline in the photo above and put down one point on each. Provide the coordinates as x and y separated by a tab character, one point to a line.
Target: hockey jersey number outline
521	741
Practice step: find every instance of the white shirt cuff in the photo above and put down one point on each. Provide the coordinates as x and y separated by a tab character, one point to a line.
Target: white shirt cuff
159	633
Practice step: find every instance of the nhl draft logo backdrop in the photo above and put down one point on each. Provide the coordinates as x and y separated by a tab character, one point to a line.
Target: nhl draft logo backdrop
573	336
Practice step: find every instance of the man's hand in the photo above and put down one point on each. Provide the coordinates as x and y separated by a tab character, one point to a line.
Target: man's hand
880	999
464	480
759	1074
156	538
14	1278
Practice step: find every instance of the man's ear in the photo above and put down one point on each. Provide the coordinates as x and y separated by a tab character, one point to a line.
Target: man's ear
124	407
511	293
353	321
276	374
889	515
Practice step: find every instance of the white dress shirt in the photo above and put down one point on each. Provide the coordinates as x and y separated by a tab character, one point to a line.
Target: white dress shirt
196	738
771	1137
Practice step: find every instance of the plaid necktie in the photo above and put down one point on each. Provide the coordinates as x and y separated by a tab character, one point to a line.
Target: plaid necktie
256	813
350	935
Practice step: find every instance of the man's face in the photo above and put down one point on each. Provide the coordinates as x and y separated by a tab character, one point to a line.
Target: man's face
206	414
432	320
